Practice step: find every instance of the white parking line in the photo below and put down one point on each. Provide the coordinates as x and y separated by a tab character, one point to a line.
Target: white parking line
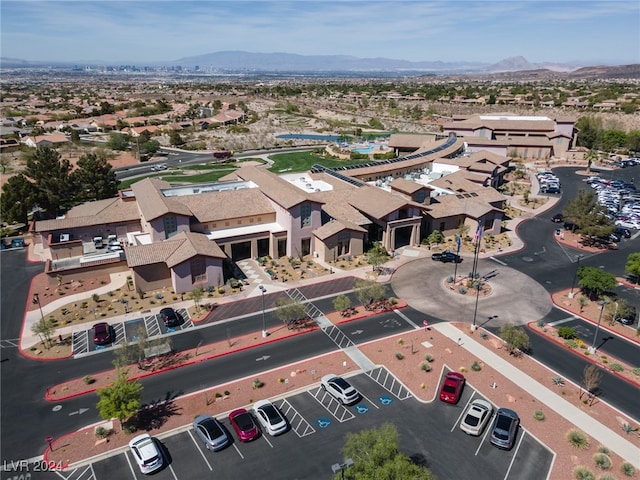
200	450
561	321
133	473
370	402
238	450
172	472
515	453
484	437
264	435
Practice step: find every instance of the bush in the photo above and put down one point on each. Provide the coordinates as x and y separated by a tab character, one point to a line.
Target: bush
399	356
476	367
571	343
558	381
577	439
616	367
603	449
462	290
88	380
428	357
567	333
538	415
636	371
628	469
425	366
102	432
227	393
583	473
602	461
257	383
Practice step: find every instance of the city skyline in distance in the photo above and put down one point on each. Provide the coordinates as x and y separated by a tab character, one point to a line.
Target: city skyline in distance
145	32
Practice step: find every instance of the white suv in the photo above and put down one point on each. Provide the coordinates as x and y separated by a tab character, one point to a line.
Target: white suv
146	452
339	388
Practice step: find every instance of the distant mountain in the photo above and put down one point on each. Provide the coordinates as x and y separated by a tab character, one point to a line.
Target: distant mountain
239	60
517	64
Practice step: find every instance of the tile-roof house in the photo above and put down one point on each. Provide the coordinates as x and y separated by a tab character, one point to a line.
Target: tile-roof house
47	140
187	260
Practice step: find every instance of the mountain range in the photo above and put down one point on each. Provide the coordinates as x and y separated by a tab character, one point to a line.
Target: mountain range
243	62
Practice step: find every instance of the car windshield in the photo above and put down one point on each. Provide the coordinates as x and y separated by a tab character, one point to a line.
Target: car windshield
449	388
341	383
502	426
471	420
211	427
244	421
271	413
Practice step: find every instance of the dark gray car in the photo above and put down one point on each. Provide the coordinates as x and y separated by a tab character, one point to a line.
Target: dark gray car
211	432
505	428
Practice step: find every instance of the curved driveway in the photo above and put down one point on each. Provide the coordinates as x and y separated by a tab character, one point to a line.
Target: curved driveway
515	297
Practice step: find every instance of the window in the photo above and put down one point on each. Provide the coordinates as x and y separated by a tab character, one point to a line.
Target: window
170	226
305	215
198	270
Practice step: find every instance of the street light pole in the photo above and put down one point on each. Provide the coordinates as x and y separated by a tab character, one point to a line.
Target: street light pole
575	274
602	304
36	299
341	467
264	328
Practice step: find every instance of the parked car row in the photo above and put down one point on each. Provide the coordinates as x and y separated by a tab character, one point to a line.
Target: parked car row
621	200
629	162
479	413
549	183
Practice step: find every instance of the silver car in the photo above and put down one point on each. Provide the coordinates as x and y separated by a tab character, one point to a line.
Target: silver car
211	432
269	417
505	428
339	388
476	417
146	453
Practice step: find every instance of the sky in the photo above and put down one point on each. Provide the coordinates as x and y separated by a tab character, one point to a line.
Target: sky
144	31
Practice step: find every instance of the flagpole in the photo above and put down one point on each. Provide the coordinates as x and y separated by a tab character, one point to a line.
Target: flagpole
455	270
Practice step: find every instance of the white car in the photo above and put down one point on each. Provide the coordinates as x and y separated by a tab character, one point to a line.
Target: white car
476	417
339	388
145	450
269	417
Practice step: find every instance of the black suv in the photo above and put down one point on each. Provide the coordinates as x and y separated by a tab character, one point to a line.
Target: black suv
446	257
170	317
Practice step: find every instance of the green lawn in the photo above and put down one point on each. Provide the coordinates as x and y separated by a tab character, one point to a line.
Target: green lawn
303	161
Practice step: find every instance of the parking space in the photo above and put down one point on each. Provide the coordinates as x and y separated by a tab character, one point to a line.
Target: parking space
130	330
429	433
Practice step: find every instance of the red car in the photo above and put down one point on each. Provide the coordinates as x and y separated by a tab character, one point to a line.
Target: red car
102	333
452	387
244	425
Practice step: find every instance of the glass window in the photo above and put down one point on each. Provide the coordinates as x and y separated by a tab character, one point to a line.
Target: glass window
198	270
170	226
305	215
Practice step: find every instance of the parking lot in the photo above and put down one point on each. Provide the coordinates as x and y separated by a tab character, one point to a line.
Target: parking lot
429	434
129	330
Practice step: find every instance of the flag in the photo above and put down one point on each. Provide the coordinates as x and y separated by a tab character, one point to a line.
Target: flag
477	237
459	243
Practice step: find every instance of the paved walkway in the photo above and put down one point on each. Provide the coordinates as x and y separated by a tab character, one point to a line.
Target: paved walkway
577	417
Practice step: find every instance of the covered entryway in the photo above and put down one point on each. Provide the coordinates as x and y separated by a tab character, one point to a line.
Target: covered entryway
240	251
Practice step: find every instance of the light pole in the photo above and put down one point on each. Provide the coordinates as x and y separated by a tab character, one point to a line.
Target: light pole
264	328
341	467
592	348
575	274
36	299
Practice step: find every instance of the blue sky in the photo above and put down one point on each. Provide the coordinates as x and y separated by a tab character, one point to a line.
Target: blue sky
143	31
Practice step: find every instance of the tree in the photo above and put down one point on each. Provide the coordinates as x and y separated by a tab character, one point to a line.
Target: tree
594	282
376	455
633	264
591	378
17	199
196	295
591	157
44	328
51	177
515	337
118	141
435	237
94	179
342	303
581	209
175	139
289	310
590	131
368	291
121	399
150	147
621	308
377	255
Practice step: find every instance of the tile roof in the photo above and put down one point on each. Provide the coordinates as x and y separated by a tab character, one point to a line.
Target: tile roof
100	212
215	206
407	186
152	203
174	251
331	228
277	189
468	205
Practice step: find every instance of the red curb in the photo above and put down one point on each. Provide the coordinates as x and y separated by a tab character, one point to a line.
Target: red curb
49	398
557	342
604	327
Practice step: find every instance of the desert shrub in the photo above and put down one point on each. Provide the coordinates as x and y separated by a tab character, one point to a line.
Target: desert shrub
606	476
558	381
476	367
88	380
538	415
218	395
602	461
603	449
577	439
583	473
102	432
571	343
425	366
399	356
462	290
616	367
628	428
541	322
636	371
567	333
227	393
257	383
628	469
428	358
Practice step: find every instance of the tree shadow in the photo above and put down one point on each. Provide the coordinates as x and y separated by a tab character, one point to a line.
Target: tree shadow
153	416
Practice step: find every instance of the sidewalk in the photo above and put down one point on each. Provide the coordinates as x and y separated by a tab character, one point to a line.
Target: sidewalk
580	419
